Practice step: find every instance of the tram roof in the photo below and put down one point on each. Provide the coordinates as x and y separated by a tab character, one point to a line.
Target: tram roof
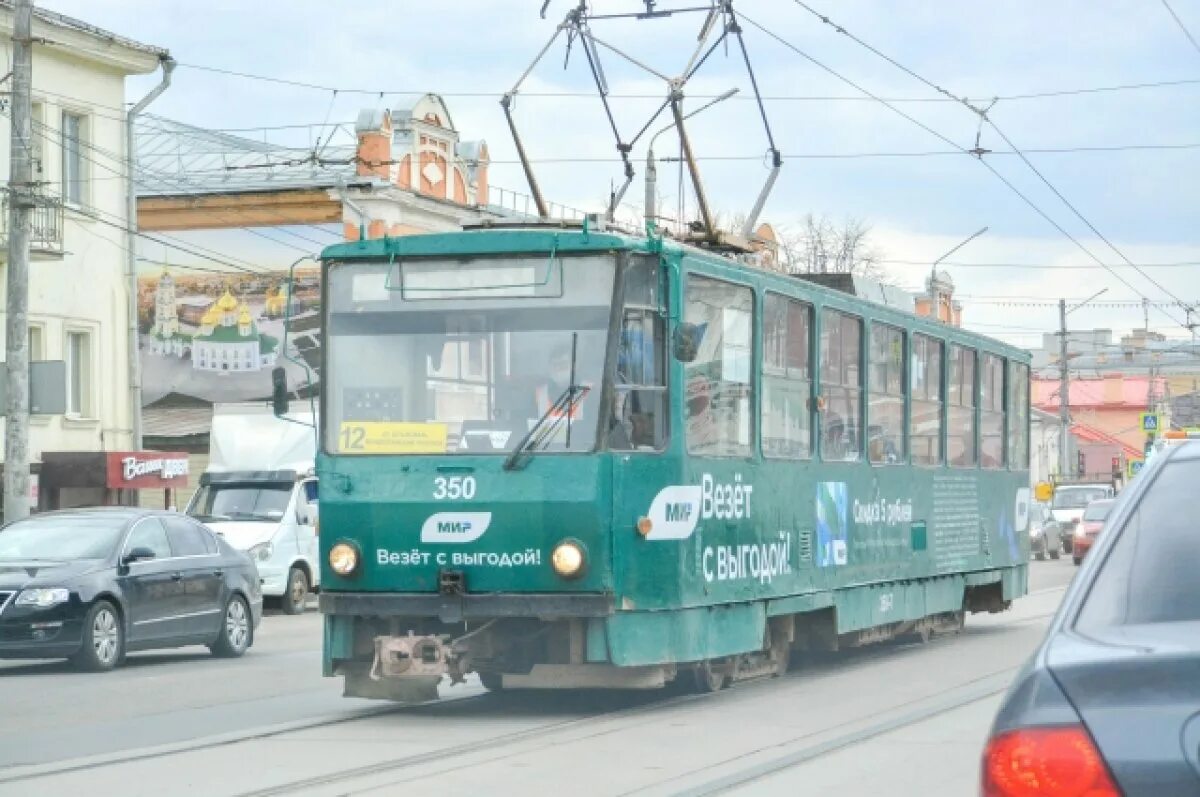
564	238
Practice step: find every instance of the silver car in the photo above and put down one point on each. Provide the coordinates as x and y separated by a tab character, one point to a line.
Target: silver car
1045	533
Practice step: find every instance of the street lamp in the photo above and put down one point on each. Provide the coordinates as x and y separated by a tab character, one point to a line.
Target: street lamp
933	296
652	171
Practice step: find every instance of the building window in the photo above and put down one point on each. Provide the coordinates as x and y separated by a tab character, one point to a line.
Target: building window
925	424
991	419
79	373
787	378
73	177
961	401
1018	404
719	393
841	386
885	401
37	343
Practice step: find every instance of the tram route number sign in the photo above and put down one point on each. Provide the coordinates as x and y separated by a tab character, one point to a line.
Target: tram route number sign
388	437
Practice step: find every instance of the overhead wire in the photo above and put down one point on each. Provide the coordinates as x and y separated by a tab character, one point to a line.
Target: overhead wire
54	137
187	247
986	164
658	97
1039	266
1182	27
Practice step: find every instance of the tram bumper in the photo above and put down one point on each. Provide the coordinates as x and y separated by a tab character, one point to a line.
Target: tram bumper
467	606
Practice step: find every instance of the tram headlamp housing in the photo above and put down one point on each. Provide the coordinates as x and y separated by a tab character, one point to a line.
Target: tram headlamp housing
344	558
568	559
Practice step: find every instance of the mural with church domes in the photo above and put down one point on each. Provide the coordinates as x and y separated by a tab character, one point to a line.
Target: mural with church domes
215	337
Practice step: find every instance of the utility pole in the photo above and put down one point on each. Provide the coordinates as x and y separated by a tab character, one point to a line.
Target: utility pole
20	211
1064	393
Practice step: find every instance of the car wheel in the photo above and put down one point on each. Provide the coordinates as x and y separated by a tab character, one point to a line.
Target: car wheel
103	644
295	599
1039	556
492	681
1077	560
1054	554
237	630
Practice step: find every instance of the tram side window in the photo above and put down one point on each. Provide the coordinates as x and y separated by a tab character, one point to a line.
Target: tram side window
1018	403
841	386
925	425
719	408
639	402
885	401
787	378
961	437
991	401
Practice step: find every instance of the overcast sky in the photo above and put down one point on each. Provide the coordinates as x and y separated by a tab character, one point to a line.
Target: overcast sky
1146	202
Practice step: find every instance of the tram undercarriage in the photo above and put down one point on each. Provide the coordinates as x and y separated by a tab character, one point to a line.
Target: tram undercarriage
406	659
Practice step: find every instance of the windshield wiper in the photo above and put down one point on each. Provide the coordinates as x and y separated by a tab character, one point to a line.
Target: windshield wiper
566	402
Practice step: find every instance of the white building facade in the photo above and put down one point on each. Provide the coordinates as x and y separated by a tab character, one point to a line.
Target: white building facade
1045	434
78	292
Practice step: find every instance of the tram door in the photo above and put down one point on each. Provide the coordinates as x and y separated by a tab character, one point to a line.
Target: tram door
639	433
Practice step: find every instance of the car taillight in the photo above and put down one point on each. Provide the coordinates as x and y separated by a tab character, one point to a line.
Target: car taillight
1046	762
1092	527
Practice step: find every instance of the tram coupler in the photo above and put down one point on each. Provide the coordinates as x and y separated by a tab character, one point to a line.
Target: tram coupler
410	656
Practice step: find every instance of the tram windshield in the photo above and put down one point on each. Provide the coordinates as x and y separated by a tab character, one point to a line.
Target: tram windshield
466	355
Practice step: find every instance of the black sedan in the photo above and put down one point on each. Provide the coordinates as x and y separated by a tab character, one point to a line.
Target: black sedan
1109	705
93	584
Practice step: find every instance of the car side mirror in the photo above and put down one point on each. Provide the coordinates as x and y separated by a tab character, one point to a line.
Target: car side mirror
138	554
685	343
279	391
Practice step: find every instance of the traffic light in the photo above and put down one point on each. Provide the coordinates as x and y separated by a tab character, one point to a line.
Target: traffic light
1080	464
1116	464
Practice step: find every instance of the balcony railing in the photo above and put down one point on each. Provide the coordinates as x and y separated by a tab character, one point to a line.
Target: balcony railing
46	235
515	204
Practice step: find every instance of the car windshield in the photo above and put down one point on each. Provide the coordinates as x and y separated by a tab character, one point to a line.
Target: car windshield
1097	510
262	502
1077	497
1149	576
466	355
60	538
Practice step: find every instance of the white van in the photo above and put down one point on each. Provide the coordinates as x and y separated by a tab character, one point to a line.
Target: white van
260	493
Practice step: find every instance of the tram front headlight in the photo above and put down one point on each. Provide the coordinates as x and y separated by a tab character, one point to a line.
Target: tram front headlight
568	559
343	558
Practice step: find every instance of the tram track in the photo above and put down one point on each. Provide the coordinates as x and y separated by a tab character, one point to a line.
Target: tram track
572	730
467	756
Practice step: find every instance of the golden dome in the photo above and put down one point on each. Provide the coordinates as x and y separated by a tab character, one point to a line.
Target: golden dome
227	303
211	317
244	316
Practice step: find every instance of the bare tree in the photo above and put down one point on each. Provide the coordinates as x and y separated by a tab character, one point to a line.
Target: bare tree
823	246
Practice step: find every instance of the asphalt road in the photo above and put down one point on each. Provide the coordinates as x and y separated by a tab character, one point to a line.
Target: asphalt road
894	719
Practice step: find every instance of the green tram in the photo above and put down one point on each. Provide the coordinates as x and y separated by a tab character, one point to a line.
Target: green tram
563	458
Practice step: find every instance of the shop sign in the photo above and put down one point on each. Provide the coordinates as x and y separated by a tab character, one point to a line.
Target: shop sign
147	469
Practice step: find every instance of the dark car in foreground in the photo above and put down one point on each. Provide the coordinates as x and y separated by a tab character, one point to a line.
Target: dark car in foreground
1089	527
92	584
1109	705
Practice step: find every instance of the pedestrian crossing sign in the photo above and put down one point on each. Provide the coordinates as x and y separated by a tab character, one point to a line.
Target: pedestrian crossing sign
1149	422
1135	467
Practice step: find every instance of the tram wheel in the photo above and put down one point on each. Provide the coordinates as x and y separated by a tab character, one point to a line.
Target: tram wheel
711	676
